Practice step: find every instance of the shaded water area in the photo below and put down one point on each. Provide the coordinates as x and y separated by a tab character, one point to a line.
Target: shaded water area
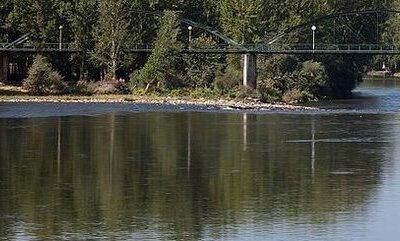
70	172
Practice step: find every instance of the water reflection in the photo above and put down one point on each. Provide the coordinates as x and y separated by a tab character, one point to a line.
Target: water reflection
313	148
187	176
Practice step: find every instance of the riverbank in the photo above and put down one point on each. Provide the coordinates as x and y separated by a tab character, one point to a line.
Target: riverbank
249	104
12	94
382	74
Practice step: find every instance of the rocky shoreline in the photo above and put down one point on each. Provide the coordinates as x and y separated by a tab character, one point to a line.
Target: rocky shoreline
248	104
16	94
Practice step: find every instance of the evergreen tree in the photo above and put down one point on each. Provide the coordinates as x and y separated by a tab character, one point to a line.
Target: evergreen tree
43	79
5	9
161	68
38	17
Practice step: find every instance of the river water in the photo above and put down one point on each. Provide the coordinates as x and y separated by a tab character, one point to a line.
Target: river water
122	172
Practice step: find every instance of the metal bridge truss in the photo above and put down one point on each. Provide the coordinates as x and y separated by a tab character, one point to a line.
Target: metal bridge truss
374	49
273	46
343	24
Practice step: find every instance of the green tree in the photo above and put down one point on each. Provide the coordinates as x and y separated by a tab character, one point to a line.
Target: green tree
201	69
83	21
112	36
38	17
241	19
43	79
161	68
5	9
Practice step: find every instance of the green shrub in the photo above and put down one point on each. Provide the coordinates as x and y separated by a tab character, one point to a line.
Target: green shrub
268	91
202	93
178	92
242	92
201	69
83	87
295	96
286	78
224	82
43	79
111	87
103	88
313	77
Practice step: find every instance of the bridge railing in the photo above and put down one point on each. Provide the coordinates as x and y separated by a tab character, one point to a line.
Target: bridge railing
323	47
143	46
339	47
225	48
57	46
47	46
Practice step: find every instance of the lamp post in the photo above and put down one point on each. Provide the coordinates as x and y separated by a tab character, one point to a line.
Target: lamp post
313	28
190	28
60	41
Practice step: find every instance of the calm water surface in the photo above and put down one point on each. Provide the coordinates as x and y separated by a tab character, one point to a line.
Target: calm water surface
103	172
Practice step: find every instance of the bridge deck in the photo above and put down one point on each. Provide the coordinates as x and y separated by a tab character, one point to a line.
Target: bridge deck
240	49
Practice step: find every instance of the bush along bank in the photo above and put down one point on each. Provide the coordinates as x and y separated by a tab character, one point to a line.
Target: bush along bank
281	79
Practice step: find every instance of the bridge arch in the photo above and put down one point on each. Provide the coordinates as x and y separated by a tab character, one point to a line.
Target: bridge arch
201	26
328	17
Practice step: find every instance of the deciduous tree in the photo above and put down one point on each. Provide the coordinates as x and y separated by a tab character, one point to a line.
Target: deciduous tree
112	36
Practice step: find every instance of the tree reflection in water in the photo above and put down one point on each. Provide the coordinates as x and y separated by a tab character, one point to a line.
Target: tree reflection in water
179	175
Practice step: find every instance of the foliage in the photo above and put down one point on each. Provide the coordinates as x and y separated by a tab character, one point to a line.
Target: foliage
28	17
274	73
42	79
83	22
342	75
390	35
226	81
240	18
5	9
312	77
112	36
161	68
112	87
269	91
201	69
83	87
287	78
295	96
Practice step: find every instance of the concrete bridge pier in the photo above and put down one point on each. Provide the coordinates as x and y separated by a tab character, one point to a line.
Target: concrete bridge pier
250	71
4	66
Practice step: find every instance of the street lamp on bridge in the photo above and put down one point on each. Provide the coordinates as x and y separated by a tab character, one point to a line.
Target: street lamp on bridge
313	28
61	36
190	28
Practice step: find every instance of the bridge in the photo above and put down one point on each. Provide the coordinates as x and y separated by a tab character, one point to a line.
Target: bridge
340	49
250	51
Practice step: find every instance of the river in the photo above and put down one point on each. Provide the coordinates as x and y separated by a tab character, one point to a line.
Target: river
120	172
